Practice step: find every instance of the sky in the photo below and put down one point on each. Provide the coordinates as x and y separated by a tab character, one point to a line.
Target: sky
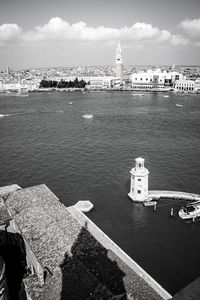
45	33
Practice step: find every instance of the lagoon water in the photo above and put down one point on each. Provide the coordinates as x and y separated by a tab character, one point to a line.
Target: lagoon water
44	139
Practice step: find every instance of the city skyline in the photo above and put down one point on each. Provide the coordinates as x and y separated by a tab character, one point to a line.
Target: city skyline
43	33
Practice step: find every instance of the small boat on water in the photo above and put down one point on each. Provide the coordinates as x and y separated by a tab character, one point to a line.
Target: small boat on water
190	211
150	203
87	116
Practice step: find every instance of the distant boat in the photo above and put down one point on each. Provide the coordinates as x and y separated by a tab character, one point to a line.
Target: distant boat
70	103
190	211
166	96
179	105
87	116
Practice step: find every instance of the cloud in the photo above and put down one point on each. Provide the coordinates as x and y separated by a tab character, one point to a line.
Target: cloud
178	40
10	33
58	30
191	27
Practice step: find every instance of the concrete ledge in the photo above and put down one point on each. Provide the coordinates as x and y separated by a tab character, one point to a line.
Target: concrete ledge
84	205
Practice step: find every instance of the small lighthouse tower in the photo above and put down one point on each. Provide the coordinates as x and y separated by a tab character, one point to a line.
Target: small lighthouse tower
139	181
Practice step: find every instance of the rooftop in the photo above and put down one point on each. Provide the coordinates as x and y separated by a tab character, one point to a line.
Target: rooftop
83	263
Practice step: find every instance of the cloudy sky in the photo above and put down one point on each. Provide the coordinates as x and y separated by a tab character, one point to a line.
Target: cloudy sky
44	33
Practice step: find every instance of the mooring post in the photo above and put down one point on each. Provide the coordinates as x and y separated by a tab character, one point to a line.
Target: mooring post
172	212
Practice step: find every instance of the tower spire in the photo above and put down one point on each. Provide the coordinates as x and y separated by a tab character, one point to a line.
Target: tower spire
119	50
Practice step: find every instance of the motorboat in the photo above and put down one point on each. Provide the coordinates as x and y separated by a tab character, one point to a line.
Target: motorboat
87	116
149	203
190	211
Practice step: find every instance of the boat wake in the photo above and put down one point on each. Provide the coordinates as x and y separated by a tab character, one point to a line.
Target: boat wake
137	95
5	115
31	113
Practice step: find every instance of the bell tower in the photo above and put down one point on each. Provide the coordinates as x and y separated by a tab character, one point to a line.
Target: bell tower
139	181
119	63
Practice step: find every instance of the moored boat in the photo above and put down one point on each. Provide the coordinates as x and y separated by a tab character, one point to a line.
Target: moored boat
190	211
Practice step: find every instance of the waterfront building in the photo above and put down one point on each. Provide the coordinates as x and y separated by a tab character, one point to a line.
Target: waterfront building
100	82
139	181
119	64
19	87
154	80
184	85
197	85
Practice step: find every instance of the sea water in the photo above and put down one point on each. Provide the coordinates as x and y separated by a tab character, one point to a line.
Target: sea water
44	139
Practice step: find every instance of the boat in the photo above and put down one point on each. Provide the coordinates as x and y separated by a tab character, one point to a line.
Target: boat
150	203
190	211
179	105
87	116
6	115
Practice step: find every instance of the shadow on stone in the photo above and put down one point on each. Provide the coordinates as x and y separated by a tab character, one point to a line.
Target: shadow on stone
89	272
12	250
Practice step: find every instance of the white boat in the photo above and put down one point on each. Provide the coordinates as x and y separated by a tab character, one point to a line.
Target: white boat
179	105
149	203
2	116
190	211
87	116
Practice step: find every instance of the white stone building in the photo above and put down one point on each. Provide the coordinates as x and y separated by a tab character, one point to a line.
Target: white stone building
154	80
184	85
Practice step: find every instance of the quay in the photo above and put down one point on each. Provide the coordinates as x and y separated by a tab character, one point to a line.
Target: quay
156	195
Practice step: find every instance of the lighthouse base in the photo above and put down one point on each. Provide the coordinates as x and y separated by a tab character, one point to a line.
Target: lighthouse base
134	199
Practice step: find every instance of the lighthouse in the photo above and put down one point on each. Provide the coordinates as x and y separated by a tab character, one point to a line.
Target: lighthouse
139	181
